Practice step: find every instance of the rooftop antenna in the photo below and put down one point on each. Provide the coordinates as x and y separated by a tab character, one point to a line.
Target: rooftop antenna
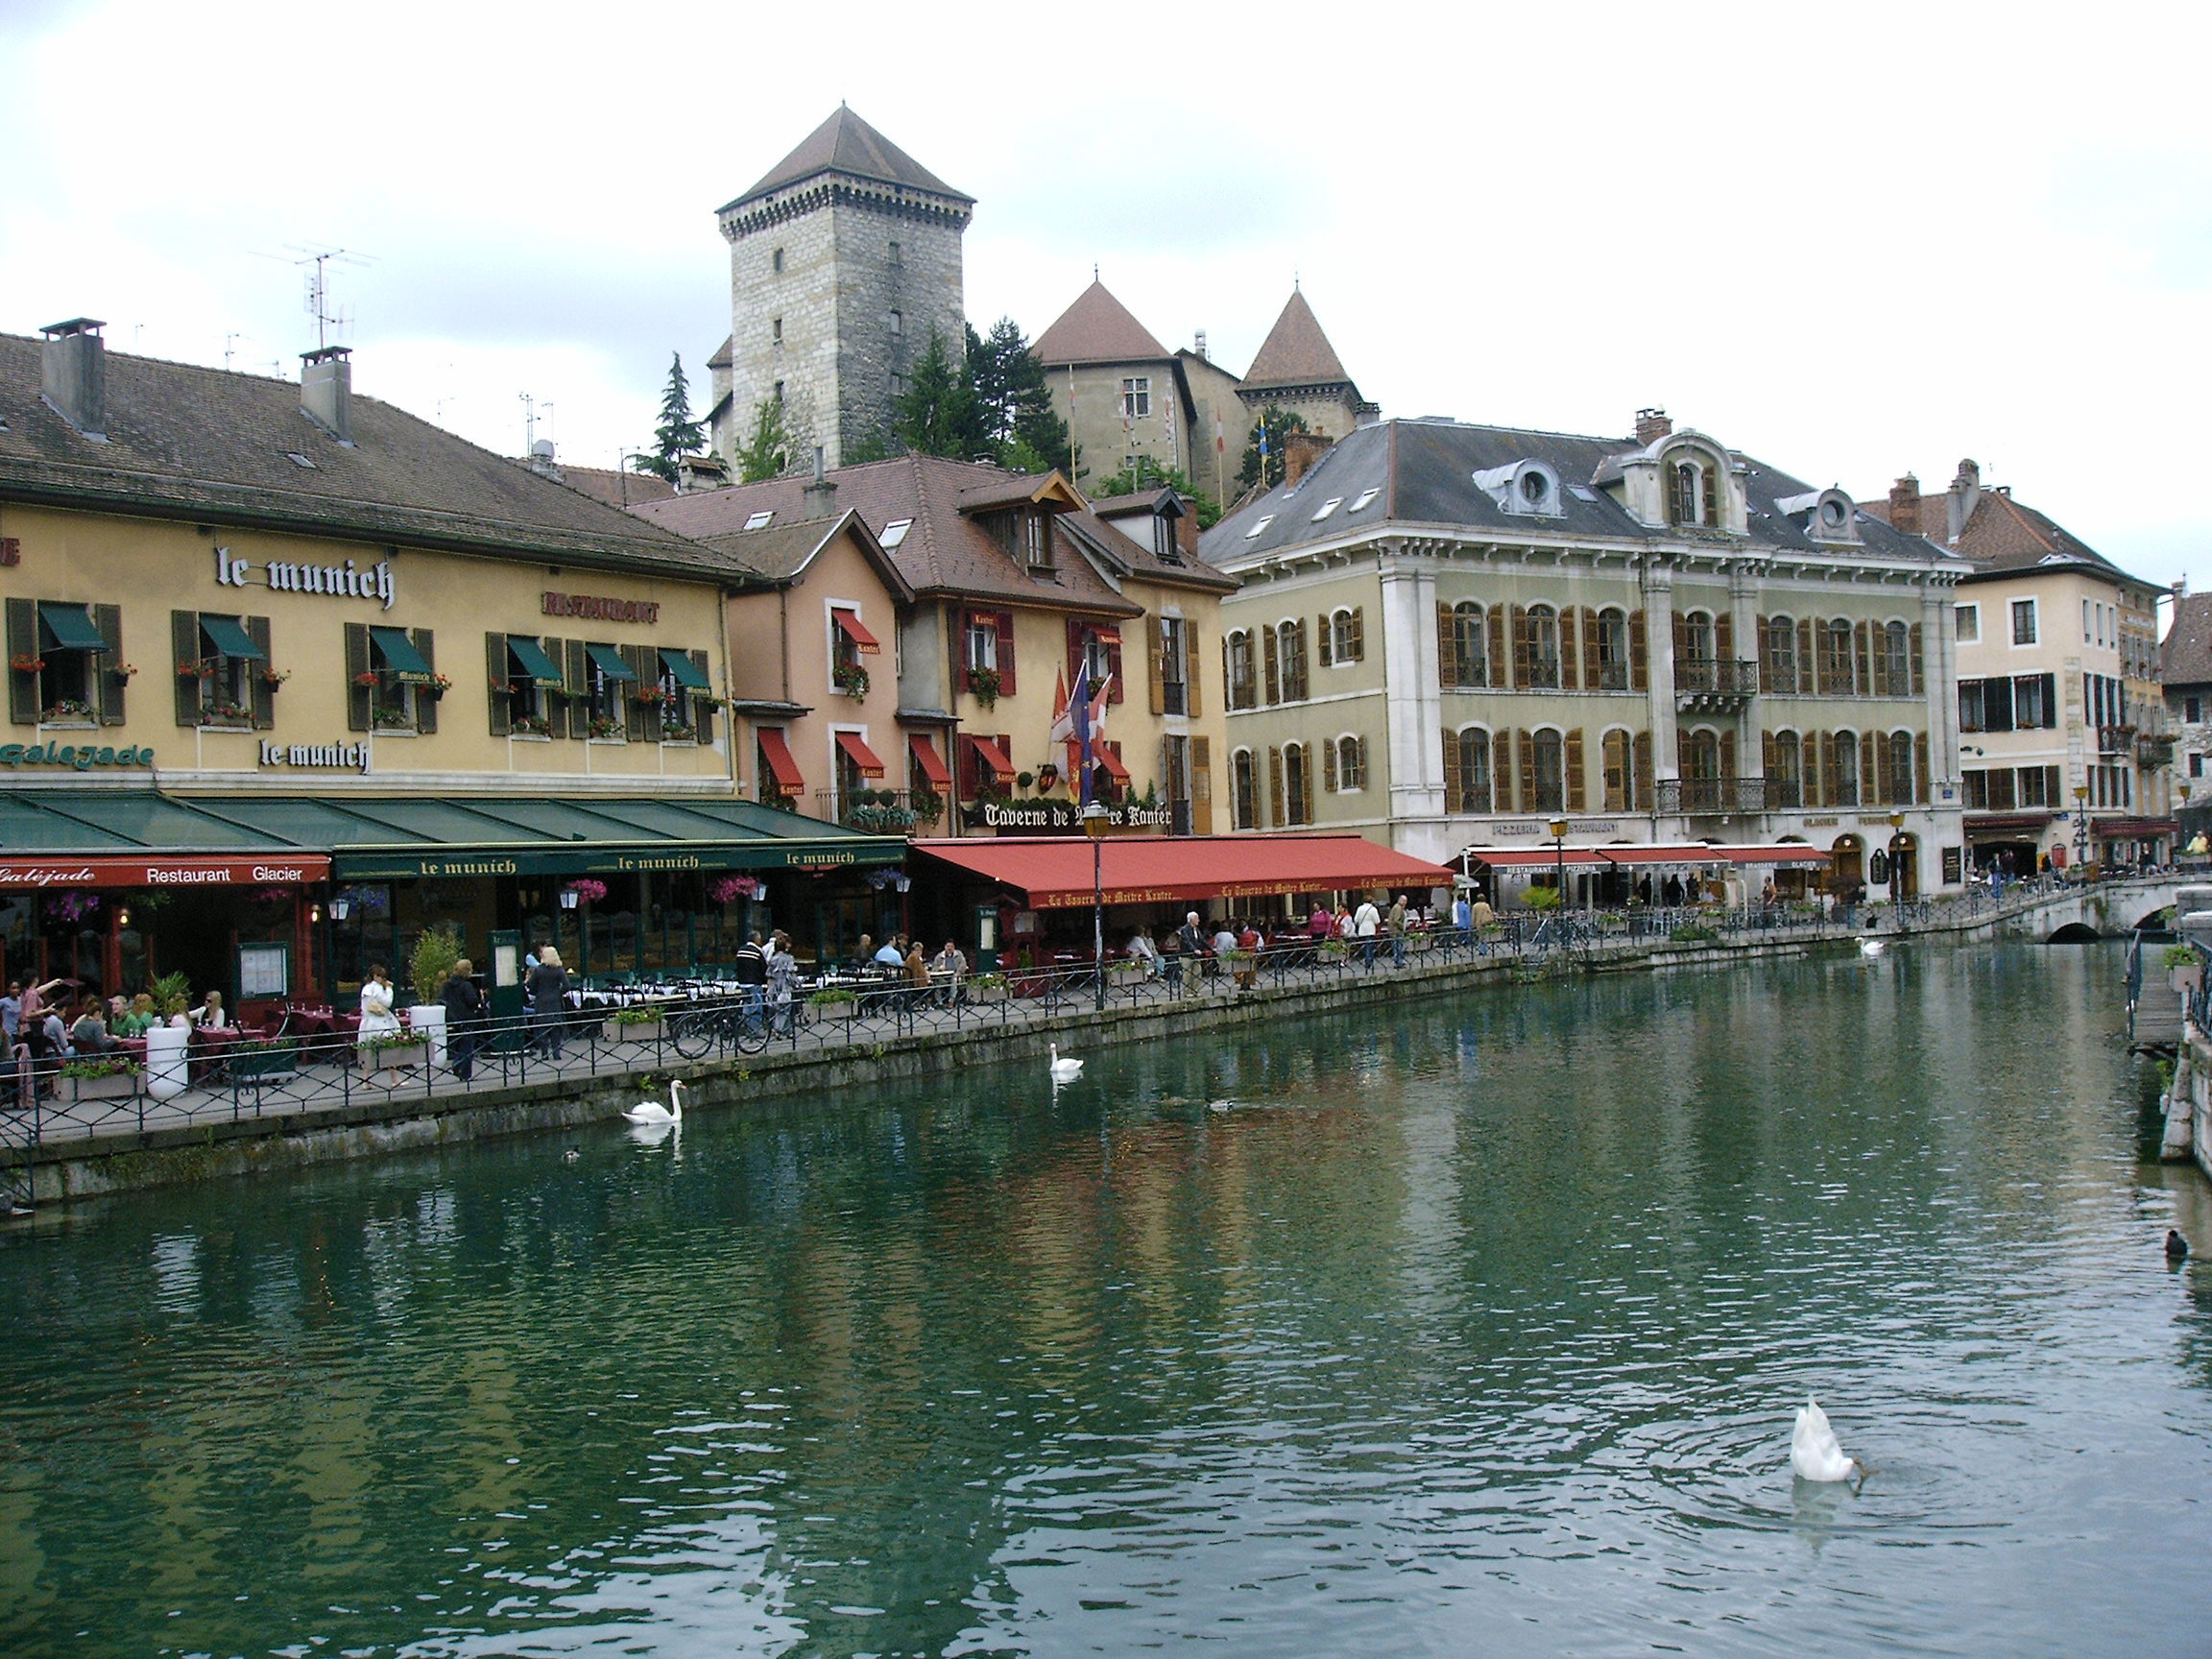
529	420
330	317
231	348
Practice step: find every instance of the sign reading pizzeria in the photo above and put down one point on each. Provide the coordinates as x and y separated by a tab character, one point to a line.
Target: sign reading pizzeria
600	609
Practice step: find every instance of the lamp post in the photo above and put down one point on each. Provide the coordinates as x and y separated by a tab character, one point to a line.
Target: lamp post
1558	828
1896	877
2081	832
1095	821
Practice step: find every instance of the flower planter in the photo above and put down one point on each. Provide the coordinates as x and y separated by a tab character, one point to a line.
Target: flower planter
987	993
634	1031
166	1069
122	1085
394	1057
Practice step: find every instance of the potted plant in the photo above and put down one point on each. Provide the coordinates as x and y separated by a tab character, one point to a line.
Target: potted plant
274	678
166	1069
852	678
396	1051
928	808
530	726
436	952
264	1059
987	988
27	662
834	997
2184	967
607	727
101	1077
984	684
66	711
640	1022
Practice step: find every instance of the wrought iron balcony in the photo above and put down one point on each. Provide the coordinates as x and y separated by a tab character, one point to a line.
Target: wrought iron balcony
2154	749
1715	683
2115	739
1700	796
878	811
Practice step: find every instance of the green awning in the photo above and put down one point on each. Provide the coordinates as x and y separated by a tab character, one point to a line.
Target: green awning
69	627
398	652
611	661
230	639
533	660
686	672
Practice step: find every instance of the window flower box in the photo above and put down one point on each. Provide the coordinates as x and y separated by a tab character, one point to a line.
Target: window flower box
852	678
67	711
635	1025
983	684
107	1077
396	1051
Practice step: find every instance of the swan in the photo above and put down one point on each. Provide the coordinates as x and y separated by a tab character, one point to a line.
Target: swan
1064	1071
1872	947
653	1111
1813	1453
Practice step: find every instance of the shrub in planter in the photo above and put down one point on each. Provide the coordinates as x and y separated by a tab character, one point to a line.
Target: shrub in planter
832	998
988	988
1695	933
392	1050
103	1076
641	1024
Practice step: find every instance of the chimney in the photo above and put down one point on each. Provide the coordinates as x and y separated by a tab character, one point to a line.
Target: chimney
327	391
695	472
820	496
73	375
1651	425
1201	344
1905	505
1300	452
1965	497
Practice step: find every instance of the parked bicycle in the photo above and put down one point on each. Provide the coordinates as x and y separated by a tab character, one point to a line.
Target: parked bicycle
741	1024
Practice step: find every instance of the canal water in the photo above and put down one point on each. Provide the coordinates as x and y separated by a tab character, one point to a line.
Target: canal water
1473	1326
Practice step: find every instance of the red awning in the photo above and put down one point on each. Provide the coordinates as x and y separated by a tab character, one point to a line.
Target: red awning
1781	852
1596	858
1105	633
287	870
927	758
991	754
1111	762
778	754
1054	873
860	754
849	625
2138	827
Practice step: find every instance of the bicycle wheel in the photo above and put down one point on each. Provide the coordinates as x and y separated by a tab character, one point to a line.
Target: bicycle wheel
751	1030
693	1034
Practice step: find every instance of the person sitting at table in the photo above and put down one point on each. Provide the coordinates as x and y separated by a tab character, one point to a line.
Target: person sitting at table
376	1017
1144	952
952	962
89	1032
864	957
1250	942
893	954
915	969
209	1015
1224	939
138	1019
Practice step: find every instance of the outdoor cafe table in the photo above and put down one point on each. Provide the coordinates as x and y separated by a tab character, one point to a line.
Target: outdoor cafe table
209	1046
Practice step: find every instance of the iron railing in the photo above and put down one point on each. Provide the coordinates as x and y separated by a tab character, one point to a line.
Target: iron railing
1714	677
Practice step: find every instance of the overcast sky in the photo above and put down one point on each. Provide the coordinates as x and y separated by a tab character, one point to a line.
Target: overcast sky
1851	240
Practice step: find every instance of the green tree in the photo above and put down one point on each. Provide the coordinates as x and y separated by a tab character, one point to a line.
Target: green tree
677	435
1012	412
1149	474
1277	423
936	414
767	452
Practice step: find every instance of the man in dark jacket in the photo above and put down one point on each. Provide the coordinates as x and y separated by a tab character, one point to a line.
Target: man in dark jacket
750	966
464	1005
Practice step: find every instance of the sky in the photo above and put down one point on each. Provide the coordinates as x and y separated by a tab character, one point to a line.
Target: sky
1853	241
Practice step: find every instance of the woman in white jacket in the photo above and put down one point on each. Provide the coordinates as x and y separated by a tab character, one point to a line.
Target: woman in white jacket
376	1017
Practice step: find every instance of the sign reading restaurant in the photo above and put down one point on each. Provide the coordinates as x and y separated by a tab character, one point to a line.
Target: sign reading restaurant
289	870
601	609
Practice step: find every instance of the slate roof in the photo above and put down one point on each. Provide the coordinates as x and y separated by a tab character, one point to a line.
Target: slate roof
213	446
1422	473
1097	328
943	551
2185	658
1296	352
722	358
847	144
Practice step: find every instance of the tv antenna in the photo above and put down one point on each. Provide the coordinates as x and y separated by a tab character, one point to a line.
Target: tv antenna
331	318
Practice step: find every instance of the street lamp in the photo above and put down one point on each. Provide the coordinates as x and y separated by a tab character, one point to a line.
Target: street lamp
1095	818
1558	828
1896	880
2081	832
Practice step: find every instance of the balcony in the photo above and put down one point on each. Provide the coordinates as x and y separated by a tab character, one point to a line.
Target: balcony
1707	685
2115	739
878	811
1702	797
2153	750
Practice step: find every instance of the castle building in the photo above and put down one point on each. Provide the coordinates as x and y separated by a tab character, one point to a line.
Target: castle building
1297	369
844	257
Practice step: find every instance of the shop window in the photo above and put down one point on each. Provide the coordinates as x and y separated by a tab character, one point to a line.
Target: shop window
394	684
65	663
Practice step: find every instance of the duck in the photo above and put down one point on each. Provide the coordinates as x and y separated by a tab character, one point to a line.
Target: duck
1872	947
1064	1071
1813	1453
2176	1246
570	1156
653	1111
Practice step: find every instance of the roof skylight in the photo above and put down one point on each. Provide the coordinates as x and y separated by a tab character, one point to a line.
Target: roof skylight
894	532
1265	519
1581	492
1362	500
1326	507
759	521
298	460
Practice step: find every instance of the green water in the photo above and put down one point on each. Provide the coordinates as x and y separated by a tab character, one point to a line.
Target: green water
1474	1328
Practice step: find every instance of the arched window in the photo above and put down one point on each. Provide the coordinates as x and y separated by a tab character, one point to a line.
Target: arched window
1351	764
1897	662
1243	790
1783	787
1347	638
1467	771
1692	496
1297	784
1620	772
1290	652
1550	773
1900	787
1846	792
1698	637
1469	659
1241	687
1543	647
1612	651
1781	655
1835	679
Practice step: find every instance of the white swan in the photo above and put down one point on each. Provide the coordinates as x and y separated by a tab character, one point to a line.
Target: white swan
1064	1071
1813	1453
653	1111
1872	947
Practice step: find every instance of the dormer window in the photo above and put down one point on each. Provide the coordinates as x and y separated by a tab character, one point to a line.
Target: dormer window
1035	533
894	532
1693	494
1525	489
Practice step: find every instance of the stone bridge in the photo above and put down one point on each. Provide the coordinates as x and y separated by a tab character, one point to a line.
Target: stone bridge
2066	914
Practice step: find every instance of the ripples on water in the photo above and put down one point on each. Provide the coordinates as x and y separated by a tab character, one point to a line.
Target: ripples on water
1479	1330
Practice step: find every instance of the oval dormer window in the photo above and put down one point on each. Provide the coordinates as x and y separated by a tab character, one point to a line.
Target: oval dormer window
1833	514
1533	488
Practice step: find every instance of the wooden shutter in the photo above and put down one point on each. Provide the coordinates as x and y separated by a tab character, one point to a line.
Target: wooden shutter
1446	647
23	641
1002	625
1639	654
1453	780
1074	646
1827	765
1571	758
495	682
1681	752
1356	646
1919	673
360	700
1767	660
1767	757
1201	786
1728	759
184	646
1329	766
1570	641
1646	791
1327	645
1879	794
702	703
1710	479
1862	680
1229	687
576	680
1878	664
1273	673
1306	784
1808	771
1275	787
1807	680
645	718
264	698
1498	660
1298	656
425	705
1159	675
559	722
108	697
1724	637
1612	759
1865	763
2049	708
1592	649
1191	669
1524	648
1681	636
1525	794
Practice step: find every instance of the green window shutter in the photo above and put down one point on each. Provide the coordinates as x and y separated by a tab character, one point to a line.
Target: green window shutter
426	704
550	698
108	698
643	723
495	682
576	668
22	641
264	700
184	643
702	703
360	700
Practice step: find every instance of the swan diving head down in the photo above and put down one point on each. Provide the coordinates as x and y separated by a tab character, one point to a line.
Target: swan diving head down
1813	1453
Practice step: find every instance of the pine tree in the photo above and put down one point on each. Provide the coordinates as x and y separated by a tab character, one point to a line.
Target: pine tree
1014	415
936	414
767	452
1277	424
677	435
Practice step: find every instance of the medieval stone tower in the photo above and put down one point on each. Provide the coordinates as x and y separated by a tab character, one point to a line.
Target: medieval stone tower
842	259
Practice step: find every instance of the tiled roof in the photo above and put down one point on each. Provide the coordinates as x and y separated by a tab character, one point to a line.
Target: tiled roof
722	358
616	489
942	550
1296	352
2185	659
205	444
1097	328
2003	537
847	144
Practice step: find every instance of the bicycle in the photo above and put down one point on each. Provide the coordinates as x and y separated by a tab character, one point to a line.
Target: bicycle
742	1026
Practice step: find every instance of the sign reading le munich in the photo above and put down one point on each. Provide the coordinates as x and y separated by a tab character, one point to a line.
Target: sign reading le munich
345	581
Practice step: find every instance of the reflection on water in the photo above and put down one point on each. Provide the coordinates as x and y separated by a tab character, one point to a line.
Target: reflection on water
1477	1327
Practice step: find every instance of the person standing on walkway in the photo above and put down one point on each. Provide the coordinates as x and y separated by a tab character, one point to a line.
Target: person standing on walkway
546	985
377	1019
1366	924
1191	943
783	981
1396	924
464	1003
750	968
1481	919
12	1012
1462	919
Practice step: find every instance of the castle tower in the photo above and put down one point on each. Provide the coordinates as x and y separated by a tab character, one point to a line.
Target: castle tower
1297	369
842	259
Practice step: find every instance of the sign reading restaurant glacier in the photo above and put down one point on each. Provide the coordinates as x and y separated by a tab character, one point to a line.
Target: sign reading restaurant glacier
341	581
